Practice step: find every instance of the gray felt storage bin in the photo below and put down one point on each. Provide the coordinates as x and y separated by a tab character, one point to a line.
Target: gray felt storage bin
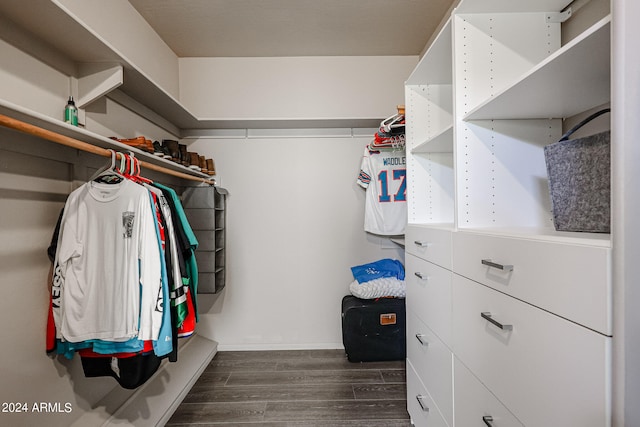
580	180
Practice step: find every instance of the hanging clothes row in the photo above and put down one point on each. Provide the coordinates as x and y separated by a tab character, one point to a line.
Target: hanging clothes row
124	275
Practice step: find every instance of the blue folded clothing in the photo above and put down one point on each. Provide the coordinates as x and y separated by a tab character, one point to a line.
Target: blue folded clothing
383	268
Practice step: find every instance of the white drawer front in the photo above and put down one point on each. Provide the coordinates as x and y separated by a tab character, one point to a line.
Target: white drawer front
432	244
421	408
572	281
546	370
475	404
432	361
429	295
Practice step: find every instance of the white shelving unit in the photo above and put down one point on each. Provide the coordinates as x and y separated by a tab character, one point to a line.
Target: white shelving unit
429	101
489	94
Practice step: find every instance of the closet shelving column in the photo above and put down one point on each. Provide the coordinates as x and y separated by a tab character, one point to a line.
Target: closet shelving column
502	191
428	96
431	195
499	166
504	217
512	333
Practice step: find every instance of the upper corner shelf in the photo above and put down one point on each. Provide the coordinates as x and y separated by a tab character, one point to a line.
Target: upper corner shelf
435	67
573	79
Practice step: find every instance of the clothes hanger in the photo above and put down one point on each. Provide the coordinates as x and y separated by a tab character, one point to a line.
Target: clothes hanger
108	174
139	177
124	161
132	171
395	121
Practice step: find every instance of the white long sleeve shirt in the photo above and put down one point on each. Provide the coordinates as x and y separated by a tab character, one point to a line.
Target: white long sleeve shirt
107	277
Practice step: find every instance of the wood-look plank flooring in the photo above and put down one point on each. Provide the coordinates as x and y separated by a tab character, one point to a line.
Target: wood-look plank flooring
297	388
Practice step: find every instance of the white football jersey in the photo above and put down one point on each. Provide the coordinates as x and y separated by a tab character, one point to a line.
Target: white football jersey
383	175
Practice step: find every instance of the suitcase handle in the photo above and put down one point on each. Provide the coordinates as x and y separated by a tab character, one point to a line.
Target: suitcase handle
488	420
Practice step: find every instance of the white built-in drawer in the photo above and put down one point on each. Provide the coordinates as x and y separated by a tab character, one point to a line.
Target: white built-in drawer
421	408
429	294
432	244
573	281
546	370
432	361
475	405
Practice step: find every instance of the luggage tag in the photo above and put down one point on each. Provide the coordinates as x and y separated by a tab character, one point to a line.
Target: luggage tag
388	319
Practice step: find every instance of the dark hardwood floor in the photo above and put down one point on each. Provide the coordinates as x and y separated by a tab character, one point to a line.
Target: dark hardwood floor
295	388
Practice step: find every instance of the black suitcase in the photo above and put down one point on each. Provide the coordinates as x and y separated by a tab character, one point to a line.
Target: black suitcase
374	329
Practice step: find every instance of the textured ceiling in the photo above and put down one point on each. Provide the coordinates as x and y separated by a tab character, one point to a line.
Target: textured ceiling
259	28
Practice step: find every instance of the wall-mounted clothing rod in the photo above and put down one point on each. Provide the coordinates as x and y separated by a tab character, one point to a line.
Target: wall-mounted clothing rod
84	146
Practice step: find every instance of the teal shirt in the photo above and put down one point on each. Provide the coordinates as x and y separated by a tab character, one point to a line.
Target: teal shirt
190	259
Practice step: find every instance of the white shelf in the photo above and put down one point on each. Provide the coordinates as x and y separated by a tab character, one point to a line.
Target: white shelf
58	126
435	67
398	241
448	226
558	87
547	235
160	395
519	6
440	143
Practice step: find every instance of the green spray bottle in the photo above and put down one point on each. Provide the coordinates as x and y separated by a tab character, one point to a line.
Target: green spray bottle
71	112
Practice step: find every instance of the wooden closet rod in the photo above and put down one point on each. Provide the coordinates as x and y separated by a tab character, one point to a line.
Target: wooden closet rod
80	145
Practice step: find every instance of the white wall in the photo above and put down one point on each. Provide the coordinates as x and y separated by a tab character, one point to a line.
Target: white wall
295	227
294	88
295	218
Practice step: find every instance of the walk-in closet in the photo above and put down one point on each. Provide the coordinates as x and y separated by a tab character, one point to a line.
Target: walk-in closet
237	130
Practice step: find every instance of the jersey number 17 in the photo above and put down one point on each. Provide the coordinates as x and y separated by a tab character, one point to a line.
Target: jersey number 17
383	179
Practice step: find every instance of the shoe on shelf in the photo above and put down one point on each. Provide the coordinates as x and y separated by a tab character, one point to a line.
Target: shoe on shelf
171	147
194	161
211	170
139	142
203	164
157	149
184	155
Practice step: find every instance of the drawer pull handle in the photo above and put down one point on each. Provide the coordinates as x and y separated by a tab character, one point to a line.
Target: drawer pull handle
503	267
424	407
421	243
488	420
420	339
487	316
420	276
